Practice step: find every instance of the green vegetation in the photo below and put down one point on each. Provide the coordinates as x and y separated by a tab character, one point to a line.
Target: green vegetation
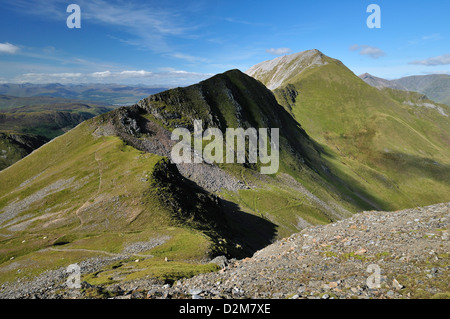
25	128
48	120
435	86
97	190
85	196
394	155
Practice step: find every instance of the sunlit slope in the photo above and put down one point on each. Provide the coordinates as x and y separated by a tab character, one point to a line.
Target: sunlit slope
108	185
83	195
96	191
397	152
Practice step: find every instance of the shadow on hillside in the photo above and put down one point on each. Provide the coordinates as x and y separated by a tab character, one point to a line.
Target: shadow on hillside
221	220
251	231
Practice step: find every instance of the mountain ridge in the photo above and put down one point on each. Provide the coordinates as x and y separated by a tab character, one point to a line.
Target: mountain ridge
107	189
108	184
356	123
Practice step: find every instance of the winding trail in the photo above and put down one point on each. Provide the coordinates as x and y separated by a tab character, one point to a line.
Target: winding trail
88	202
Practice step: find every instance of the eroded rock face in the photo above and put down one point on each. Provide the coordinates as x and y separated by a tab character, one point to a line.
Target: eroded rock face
150	137
275	72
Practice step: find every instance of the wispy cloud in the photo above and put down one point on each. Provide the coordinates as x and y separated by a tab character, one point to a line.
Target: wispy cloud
426	38
240	21
438	72
140	24
368	50
8	48
278	51
189	58
439	60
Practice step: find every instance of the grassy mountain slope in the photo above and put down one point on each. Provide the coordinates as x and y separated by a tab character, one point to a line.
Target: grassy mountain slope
234	99
107	189
25	127
397	152
49	120
107	185
83	195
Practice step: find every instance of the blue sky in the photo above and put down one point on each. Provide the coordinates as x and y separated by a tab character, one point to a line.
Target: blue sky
182	42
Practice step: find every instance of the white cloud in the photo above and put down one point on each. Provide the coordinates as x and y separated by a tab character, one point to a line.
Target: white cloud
368	50
166	69
102	74
177	77
8	48
278	51
432	37
48	77
438	72
140	73
239	21
439	60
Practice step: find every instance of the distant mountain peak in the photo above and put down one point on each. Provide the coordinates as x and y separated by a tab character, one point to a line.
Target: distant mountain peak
274	73
380	83
365	75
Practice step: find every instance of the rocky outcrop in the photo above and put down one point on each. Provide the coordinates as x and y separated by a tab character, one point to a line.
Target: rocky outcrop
408	250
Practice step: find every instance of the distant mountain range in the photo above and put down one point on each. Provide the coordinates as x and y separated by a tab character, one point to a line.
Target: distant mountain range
32	114
434	86
110	94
